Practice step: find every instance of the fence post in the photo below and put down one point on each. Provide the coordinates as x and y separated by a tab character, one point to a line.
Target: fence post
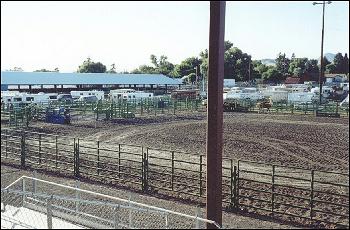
312	194
74	156
273	190
237	187
231	184
34	181
118	160
39	149
200	175
77	196
23	153
235	191
166	221
6	142
98	157
23	190
130	213
56	144
49	212
145	170
142	170
78	159
115	216
172	170
198	215
141	106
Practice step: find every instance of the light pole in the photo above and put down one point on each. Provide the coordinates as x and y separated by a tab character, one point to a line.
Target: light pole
320	79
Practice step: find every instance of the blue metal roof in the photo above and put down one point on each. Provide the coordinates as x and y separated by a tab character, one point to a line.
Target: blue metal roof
54	78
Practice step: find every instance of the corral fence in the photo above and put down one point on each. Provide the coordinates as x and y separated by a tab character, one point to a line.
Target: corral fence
23	114
308	197
105	109
34	203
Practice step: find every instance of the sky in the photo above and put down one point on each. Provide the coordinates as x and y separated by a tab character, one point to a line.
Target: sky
36	35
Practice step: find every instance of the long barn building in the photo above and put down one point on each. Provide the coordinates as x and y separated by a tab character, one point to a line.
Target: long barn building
35	82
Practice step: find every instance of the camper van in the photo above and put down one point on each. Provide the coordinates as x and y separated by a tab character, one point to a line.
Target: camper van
129	95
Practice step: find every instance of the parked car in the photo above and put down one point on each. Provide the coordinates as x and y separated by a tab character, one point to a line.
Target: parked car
65	98
89	99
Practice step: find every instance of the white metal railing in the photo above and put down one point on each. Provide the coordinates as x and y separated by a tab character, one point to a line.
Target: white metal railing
83	207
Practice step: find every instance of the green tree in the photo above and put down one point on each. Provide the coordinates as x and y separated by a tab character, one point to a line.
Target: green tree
325	63
91	67
297	66
331	68
145	69
112	69
16	69
46	70
272	75
338	63
311	66
187	67
345	65
282	64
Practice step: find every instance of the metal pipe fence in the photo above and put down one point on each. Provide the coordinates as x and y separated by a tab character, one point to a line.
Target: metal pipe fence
34	203
308	196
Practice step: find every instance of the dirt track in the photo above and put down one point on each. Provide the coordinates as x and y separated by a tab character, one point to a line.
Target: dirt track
305	141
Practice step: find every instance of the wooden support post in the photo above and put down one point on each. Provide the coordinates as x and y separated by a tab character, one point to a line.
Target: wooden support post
214	113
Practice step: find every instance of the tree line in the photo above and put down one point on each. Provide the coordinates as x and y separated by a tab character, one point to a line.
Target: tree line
238	65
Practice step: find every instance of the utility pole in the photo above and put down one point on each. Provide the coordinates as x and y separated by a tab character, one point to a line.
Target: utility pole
320	79
215	112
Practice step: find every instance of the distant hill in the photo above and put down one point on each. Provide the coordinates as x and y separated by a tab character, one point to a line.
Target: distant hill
329	56
268	61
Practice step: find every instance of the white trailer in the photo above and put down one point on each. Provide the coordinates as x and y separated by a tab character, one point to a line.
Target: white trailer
17	98
129	95
304	97
276	95
77	94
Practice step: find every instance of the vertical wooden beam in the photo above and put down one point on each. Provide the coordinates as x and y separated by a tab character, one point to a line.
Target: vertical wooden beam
215	112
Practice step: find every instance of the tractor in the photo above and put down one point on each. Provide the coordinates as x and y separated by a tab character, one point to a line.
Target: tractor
57	116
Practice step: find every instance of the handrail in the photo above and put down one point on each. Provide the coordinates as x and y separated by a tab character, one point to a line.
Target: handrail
117	199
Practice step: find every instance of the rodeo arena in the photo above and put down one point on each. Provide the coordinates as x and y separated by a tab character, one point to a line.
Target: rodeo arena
97	150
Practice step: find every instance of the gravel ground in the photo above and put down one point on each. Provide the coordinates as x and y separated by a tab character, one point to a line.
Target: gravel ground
299	140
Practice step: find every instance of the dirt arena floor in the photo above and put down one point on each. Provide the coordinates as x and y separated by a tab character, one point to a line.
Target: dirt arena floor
292	140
